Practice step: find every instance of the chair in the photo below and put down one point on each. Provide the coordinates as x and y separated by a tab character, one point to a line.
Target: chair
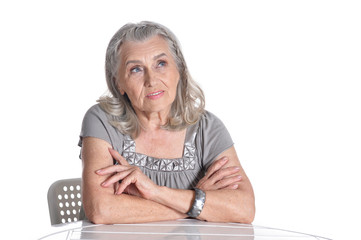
64	200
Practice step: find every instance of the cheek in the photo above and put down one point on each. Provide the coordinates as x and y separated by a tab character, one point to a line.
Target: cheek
174	77
134	91
176	82
174	88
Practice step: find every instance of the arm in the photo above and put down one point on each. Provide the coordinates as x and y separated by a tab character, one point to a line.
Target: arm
101	205
228	203
237	205
233	204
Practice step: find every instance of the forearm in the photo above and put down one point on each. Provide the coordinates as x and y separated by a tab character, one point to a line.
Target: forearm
228	206
124	208
220	206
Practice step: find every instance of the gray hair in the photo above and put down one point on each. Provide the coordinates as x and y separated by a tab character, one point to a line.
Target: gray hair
188	105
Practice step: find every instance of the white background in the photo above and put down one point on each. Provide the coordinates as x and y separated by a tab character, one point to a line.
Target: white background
284	76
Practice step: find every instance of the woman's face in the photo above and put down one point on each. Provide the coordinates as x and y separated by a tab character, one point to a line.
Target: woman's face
148	75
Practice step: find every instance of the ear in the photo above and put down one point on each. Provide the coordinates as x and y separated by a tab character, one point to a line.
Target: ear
120	89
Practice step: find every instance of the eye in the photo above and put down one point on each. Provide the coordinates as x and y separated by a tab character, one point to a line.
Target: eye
162	63
135	69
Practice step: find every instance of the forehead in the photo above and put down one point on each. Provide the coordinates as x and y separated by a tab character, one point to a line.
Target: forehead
132	50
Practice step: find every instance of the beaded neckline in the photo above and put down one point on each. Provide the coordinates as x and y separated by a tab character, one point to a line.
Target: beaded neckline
187	162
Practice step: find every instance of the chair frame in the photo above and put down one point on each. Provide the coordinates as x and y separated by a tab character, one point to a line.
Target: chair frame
64	201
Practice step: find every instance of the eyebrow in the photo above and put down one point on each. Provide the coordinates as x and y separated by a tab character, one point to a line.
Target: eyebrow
138	61
132	61
159	56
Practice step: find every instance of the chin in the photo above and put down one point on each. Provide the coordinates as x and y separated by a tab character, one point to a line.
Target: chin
157	108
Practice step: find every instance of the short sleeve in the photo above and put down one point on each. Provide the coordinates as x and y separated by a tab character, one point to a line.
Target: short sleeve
213	139
95	124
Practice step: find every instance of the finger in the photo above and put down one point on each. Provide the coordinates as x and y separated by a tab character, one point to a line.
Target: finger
116	177
233	186
124	184
116	185
228	182
111	169
223	173
218	164
200	183
119	158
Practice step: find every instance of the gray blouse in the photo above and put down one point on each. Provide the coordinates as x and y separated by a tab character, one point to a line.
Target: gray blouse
204	141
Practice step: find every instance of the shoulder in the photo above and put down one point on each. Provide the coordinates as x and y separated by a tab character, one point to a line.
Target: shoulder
209	116
95	114
210	127
95	119
96	124
212	138
209	119
95	110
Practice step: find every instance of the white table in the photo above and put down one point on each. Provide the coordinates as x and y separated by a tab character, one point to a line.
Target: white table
186	229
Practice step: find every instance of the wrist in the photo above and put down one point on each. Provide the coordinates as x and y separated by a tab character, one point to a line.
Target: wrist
158	194
178	199
198	203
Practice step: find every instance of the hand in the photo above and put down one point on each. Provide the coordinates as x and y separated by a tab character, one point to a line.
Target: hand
220	177
134	182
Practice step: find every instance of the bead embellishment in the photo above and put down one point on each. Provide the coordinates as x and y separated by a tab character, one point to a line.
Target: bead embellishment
159	164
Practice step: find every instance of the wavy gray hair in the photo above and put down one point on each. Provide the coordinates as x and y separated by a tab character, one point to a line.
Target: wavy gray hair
188	105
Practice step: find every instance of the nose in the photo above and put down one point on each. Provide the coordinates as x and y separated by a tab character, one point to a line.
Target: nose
150	78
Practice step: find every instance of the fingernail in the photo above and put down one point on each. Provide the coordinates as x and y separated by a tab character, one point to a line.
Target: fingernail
239	177
235	186
224	159
103	184
98	171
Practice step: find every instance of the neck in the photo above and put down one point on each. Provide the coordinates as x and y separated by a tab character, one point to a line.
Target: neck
151	121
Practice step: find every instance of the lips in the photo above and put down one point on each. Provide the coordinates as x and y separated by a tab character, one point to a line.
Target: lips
155	93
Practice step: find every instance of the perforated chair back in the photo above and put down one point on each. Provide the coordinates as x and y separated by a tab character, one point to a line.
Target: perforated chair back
64	200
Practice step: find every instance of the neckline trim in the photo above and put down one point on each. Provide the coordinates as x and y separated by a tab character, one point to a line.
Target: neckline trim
187	162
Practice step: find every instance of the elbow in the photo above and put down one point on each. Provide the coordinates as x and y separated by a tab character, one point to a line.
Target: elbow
96	218
246	217
96	212
247	212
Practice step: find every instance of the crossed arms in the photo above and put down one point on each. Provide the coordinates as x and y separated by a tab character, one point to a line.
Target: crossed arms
229	194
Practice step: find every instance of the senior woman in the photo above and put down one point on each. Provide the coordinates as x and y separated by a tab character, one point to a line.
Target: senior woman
150	151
